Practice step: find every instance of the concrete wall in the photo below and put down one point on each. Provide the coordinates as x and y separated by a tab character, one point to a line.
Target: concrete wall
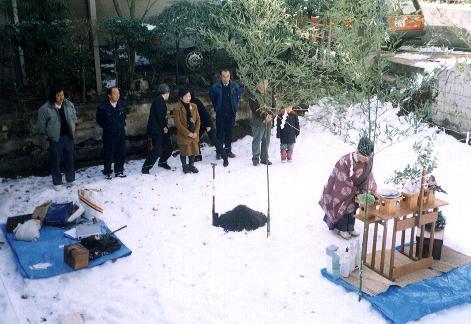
446	14
439	18
452	108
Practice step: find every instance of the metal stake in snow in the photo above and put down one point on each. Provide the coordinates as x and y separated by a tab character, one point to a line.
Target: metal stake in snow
467	137
214	214
268	185
365	228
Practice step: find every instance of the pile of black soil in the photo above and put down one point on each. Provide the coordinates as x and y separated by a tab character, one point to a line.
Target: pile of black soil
242	218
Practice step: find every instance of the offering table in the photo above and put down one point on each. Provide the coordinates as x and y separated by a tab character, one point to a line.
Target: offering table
403	218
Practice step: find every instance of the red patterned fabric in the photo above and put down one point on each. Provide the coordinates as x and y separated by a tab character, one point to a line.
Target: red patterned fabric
348	178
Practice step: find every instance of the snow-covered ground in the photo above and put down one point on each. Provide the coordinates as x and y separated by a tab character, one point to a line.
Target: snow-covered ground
183	270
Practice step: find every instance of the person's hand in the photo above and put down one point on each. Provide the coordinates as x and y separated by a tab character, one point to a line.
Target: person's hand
208	129
150	145
165	130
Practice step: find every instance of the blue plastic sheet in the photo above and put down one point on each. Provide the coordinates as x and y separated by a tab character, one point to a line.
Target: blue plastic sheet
400	305
45	257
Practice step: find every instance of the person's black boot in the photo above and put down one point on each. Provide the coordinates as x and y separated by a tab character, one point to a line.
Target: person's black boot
225	159
198	158
191	167
185	166
165	165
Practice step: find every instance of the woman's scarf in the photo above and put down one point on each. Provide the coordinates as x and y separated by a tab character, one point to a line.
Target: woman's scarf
189	119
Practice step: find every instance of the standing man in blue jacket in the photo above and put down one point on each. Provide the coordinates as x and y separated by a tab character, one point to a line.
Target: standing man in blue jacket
111	116
56	122
225	96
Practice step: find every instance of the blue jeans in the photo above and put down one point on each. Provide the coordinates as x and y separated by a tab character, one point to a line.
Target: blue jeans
286	147
261	132
62	150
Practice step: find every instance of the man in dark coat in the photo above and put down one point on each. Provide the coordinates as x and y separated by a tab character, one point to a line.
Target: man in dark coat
111	116
225	96
208	127
159	145
56	122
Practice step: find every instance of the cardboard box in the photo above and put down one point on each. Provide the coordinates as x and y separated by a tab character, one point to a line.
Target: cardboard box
76	256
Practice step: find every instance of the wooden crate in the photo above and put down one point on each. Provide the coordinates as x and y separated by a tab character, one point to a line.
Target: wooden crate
361	209
429	197
76	256
410	201
388	206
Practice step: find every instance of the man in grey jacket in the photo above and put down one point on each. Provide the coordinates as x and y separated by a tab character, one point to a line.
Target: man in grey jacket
56	122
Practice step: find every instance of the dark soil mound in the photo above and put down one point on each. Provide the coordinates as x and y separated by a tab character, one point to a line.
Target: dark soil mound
240	218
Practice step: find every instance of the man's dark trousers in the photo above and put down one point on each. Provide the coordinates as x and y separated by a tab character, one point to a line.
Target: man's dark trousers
63	149
346	223
162	149
224	124
114	146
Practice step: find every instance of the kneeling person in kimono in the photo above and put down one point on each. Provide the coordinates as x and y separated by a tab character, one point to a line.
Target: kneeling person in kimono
351	176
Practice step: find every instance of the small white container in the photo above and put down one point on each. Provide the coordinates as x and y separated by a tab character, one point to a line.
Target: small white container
345	268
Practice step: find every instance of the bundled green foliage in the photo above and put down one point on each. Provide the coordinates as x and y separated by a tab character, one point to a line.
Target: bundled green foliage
366	199
267	42
425	160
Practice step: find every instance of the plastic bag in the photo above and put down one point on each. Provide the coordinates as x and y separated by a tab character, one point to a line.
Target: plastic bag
28	231
58	214
92	200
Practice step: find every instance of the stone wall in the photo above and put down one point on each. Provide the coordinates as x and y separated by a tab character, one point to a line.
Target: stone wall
22	152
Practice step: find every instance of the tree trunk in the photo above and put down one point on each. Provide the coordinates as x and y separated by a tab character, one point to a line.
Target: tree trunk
177	46
131	64
84	96
117	7
23	79
94	44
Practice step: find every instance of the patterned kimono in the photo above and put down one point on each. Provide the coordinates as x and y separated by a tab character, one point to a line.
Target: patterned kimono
348	178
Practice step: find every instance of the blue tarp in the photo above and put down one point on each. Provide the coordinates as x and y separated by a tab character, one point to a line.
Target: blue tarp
45	257
400	305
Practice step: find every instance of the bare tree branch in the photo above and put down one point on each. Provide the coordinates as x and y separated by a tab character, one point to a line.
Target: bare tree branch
148	7
117	7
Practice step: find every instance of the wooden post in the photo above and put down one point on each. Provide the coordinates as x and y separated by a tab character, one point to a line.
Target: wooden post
96	48
403	237
383	246
421	205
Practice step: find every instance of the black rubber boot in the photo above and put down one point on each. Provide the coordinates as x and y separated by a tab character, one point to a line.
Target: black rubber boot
186	168
191	167
225	158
